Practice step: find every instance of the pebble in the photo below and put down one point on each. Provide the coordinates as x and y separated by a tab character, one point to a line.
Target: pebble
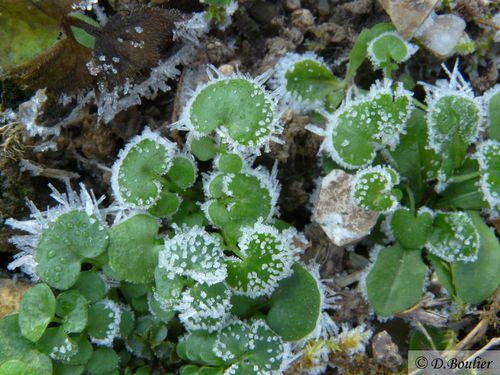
303	19
385	351
292	5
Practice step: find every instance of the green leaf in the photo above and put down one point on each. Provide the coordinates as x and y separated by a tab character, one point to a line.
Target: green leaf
182	173
373	188
13	346
493	106
158	310
396	280
63	369
138	171
197	346
267	349
488	155
264	259
148	333
73	308
92	286
103	362
439	336
295	305
410	231
168	290
58	345
454	237
167	204
133	248
230	163
16	367
310	80
203	148
127	322
81	36
232	342
104	322
205	307
84	352
359	50
389	46
476	281
36	310
238	107
443	272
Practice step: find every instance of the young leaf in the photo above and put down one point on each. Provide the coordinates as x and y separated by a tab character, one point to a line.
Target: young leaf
103	362
203	148
372	188
396	280
13	346
36	310
239	108
492	101
205	307
73	308
92	286
137	173
454	237
387	47
229	163
488	156
197	346
410	231
57	344
265	258
104	322
133	248
295	305
194	253
476	281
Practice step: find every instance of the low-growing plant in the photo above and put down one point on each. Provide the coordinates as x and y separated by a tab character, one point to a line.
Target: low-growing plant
430	170
192	270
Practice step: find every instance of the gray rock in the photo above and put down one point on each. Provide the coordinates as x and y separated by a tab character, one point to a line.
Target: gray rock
385	352
341	220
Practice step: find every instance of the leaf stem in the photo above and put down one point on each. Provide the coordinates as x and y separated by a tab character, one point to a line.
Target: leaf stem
463	177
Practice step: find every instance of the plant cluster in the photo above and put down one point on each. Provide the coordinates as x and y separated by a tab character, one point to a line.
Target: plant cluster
430	169
185	268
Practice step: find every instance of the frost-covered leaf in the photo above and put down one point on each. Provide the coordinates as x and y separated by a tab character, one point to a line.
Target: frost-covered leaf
137	173
387	47
167	204
232	341
57	345
104	322
475	282
411	231
205	307
36	311
84	351
229	163
488	156
492	101
366	124
395	281
266	258
238	108
295	305
159	310
168	289
454	237
13	346
197	346
373	188
194	253
91	285
239	199
72	307
134	247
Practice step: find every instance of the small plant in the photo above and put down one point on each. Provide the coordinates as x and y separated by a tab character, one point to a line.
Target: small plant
195	272
427	169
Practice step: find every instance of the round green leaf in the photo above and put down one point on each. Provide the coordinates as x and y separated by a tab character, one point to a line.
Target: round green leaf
58	345
205	307
295	305
73	308
203	148
36	310
395	282
389	46
411	231
92	286
84	352
182	172
238	107
232	342
13	346
267	352
156	308
168	290
137	173
103	362
266	258
16	367
104	322
488	155
197	346
167	204
230	163
133	248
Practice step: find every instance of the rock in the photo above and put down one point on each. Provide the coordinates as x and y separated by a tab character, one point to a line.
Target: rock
408	15
341	220
292	5
11	293
303	19
385	352
441	33
323	8
330	32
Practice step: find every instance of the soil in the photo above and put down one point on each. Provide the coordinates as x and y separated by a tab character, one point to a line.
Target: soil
261	32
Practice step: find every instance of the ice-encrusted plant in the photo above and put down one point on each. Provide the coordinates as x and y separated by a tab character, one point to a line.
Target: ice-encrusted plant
181	264
428	169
